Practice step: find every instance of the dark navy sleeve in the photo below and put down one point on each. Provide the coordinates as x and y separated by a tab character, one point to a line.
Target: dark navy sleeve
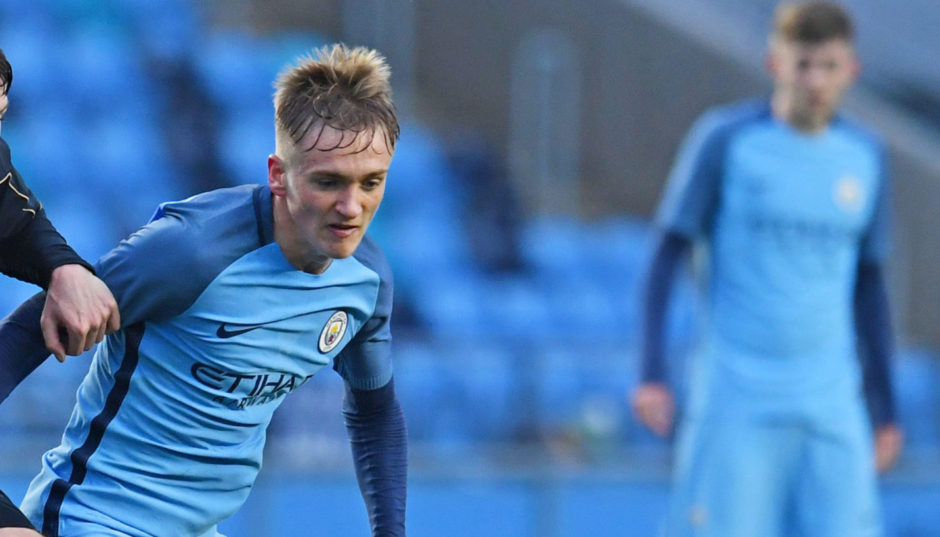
30	246
669	252
876	340
22	347
876	242
366	362
378	439
693	188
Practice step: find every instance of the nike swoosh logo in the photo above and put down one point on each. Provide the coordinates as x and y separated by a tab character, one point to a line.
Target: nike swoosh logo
225	334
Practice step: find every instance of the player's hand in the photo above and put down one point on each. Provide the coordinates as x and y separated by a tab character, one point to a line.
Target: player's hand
654	406
889	439
19	532
84	308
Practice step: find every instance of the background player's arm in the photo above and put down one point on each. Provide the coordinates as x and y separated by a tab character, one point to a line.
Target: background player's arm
653	402
686	211
873	325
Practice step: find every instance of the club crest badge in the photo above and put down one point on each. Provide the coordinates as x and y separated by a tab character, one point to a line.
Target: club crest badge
333	332
849	194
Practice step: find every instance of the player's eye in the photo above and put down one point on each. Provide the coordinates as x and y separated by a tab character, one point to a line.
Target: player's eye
372	184
325	182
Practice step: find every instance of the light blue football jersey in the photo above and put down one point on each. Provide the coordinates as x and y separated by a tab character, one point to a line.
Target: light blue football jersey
786	216
167	434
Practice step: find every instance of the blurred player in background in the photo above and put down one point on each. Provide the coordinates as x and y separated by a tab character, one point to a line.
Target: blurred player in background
792	203
32	250
230	300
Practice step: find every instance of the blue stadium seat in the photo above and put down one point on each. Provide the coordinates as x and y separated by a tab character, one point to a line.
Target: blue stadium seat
550	245
168	30
29	45
449	304
284	48
419	178
230	67
245	141
918	397
100	70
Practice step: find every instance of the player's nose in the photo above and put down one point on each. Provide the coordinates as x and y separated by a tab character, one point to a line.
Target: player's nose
348	203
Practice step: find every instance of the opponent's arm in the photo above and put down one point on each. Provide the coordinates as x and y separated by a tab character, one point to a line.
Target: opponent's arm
378	438
30	246
32	250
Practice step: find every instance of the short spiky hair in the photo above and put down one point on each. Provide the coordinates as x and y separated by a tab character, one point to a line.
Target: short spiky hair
346	89
812	22
6	74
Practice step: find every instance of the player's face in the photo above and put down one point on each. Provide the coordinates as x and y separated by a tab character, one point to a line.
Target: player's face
325	198
810	80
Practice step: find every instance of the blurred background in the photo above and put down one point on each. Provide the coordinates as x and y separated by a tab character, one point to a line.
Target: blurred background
536	137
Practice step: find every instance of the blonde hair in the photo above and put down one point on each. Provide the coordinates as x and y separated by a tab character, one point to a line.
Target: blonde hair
338	87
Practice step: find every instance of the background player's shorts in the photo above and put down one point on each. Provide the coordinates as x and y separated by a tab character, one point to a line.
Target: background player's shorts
10	515
792	466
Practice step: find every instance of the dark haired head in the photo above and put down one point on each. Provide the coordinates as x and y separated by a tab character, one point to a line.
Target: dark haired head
6	74
812	22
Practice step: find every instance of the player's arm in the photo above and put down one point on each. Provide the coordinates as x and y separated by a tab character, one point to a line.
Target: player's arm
874	328
30	247
652	401
143	272
685	212
378	438
32	250
374	419
873	325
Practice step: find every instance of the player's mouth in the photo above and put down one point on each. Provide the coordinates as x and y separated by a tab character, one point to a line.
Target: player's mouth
342	231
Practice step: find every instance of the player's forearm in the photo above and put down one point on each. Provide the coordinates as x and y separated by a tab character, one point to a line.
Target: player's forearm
666	258
378	438
873	325
35	251
22	348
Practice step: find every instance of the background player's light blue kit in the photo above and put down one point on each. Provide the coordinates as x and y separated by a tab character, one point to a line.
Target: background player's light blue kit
775	413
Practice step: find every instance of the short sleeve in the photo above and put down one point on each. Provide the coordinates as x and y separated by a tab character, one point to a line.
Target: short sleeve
693	188
876	242
160	270
366	362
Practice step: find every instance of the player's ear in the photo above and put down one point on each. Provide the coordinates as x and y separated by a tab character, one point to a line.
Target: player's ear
276	175
770	63
770	56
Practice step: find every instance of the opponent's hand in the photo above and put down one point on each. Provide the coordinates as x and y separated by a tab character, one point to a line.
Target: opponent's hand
889	439
83	306
653	405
